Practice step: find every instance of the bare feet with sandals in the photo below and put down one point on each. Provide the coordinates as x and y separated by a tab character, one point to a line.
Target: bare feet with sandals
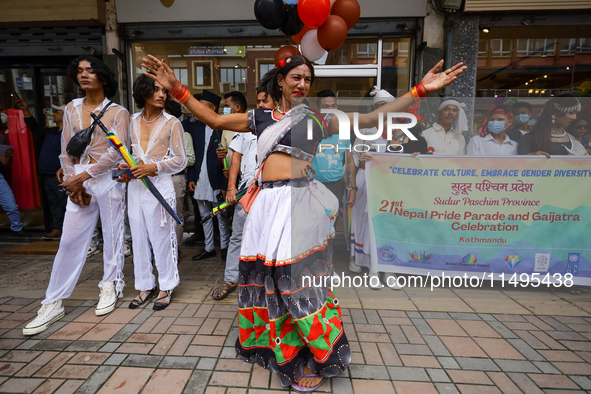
309	381
222	291
160	303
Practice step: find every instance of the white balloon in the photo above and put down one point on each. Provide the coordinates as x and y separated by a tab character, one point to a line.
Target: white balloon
310	46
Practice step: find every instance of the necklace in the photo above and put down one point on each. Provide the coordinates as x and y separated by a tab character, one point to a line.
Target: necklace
151	121
556	131
279	110
84	106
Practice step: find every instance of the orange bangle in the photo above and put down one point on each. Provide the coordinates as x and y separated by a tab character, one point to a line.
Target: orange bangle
415	95
185	96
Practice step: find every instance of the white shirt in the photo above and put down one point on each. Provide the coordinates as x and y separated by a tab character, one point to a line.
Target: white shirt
450	143
246	145
488	146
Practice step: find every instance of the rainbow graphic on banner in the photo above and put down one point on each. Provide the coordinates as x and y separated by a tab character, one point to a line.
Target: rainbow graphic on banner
469	259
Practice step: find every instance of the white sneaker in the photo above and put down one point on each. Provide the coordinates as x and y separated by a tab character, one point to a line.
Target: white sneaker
107	299
352	267
128	251
47	315
374	284
92	250
390	280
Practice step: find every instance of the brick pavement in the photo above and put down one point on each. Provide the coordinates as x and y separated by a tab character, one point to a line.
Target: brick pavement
411	341
189	348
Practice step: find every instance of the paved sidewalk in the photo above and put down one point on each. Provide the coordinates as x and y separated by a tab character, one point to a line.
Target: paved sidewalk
410	341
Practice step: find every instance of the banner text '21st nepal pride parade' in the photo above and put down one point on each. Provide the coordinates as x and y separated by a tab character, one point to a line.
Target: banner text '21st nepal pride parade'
500	215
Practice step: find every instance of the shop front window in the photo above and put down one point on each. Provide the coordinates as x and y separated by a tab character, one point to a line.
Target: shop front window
521	62
396	65
483	48
218	67
222	67
501	48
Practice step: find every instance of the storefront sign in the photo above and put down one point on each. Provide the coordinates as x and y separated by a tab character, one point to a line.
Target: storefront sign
24	83
504	217
217	51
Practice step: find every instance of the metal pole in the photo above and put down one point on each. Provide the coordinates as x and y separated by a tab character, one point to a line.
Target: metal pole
449	35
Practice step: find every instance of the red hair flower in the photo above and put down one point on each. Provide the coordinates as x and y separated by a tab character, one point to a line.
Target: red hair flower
282	63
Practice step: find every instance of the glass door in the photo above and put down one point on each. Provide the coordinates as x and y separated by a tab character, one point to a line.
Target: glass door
58	89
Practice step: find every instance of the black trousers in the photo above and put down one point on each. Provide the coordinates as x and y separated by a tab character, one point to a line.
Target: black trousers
57	198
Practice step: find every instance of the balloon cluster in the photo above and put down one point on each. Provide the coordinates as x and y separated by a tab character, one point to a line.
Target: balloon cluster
317	25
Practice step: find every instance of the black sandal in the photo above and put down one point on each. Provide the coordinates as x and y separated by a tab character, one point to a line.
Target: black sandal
158	306
134	304
222	291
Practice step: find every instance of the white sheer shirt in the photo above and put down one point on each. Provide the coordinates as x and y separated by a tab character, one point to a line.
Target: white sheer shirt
115	119
166	146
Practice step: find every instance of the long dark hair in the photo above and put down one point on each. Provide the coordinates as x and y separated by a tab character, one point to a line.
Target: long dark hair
542	131
103	73
269	81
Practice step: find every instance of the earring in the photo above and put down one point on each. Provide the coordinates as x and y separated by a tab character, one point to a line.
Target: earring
553	119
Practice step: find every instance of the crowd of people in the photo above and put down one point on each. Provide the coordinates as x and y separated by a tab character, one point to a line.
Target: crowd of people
293	183
508	130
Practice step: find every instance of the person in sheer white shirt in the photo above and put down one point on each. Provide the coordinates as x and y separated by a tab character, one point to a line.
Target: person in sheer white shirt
158	146
88	175
445	137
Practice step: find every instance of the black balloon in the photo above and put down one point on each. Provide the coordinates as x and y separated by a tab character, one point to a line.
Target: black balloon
269	13
292	24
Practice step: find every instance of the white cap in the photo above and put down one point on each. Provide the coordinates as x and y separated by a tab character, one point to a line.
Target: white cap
381	95
58	107
462	120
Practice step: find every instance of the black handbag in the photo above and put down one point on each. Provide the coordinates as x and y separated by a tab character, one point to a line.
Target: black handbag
81	139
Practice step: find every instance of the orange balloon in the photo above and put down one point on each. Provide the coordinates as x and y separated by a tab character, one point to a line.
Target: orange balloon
333	33
298	37
349	10
285	52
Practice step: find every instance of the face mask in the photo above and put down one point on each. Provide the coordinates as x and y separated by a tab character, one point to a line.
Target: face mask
227	111
496	126
521	118
4	118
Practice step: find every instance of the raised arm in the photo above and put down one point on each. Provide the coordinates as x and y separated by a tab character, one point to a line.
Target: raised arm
433	81
159	71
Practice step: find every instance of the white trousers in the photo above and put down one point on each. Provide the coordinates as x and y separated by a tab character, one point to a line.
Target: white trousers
180	186
79	224
360	240
153	229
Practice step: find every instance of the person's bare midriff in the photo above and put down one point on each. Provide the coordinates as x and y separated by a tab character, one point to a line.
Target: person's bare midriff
281	166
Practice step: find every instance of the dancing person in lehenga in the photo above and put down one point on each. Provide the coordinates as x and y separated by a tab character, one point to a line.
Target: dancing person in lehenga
295	331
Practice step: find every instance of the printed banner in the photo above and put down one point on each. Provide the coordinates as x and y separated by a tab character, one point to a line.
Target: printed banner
501	216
